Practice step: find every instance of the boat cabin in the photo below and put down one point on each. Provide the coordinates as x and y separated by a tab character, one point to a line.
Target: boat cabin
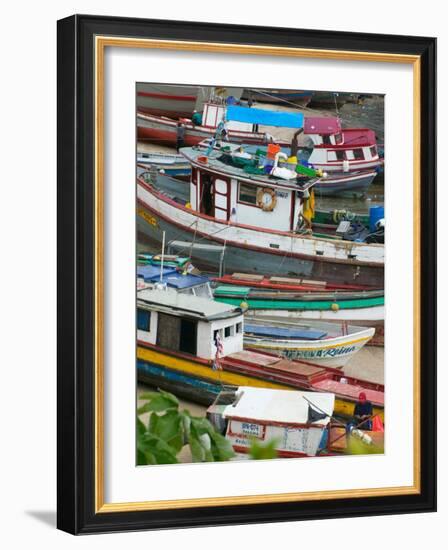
224	188
296	420
340	149
189	324
215	113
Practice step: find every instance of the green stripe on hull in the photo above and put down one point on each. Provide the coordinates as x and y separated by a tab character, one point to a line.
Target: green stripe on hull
299	305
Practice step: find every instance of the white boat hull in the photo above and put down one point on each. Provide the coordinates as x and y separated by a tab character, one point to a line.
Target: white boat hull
375	313
330	352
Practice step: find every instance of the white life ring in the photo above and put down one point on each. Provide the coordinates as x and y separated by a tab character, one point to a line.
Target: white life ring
266	199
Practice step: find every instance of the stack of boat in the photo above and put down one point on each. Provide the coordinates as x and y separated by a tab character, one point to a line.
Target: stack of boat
254	288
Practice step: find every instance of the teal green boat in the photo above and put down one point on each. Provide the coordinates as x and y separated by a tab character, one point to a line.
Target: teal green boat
334	306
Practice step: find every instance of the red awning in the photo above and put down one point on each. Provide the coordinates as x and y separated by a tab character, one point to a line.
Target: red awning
324	126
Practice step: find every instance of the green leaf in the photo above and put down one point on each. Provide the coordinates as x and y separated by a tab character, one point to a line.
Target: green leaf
260	451
147	396
141	428
169	428
156	449
221	447
197	450
141	458
159	403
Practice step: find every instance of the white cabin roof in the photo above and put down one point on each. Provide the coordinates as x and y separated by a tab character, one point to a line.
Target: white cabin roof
283	406
186	304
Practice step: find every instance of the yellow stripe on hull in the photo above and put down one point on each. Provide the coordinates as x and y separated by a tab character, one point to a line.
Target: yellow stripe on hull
315	348
341	406
197	369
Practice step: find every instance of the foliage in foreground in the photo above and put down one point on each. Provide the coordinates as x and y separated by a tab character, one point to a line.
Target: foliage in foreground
263	451
168	430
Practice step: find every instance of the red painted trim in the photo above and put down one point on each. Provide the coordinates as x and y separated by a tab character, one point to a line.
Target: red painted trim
333	162
265	283
168	96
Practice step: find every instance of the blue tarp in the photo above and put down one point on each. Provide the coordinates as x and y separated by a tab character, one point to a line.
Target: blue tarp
267	118
174	279
152	272
280	332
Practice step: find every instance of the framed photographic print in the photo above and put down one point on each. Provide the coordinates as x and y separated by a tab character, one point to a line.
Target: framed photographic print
246	266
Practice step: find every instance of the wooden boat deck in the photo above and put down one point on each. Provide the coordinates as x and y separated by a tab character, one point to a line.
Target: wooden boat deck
302	375
349	390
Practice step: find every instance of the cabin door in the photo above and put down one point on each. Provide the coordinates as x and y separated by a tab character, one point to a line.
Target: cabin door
222	198
177	334
206	200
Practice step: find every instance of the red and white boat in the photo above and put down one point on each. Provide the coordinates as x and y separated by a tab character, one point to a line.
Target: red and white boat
340	150
294	421
236	219
176	101
162	130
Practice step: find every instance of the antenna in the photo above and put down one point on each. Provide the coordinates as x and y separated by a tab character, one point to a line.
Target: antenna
161	261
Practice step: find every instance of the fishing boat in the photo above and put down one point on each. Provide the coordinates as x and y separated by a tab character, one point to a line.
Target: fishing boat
341	150
193	346
215	120
294	421
286	284
354	308
236	217
172	100
350	182
329	344
333	306
170	164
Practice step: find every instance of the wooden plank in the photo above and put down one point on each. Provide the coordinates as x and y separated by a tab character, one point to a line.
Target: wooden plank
247	277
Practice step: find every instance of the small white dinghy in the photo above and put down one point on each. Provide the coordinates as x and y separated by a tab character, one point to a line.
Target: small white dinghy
295	420
326	344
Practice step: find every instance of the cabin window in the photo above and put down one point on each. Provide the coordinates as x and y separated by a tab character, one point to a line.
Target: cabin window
373	151
358	154
239	328
229	331
338	139
326	140
247	194
143	320
203	291
340	155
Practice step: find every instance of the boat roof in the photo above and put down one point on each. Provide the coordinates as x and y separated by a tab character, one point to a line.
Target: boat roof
170	276
324	126
195	156
264	116
169	301
284	406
